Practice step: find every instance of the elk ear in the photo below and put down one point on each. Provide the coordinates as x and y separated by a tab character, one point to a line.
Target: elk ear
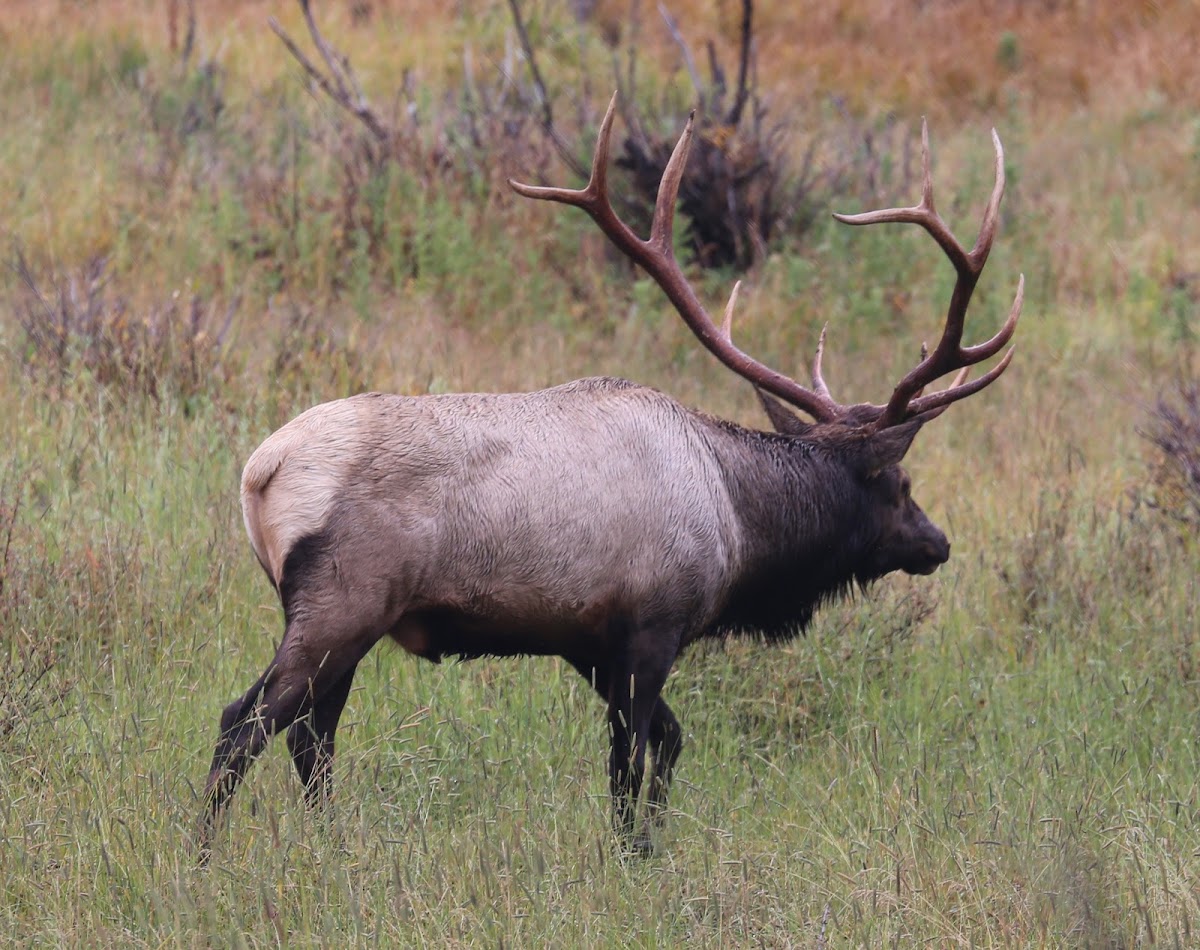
783	419
888	447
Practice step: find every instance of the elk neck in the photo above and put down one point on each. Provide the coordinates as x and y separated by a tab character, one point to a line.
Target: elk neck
803	531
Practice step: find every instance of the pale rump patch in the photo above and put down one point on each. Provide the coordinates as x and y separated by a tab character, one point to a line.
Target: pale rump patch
291	481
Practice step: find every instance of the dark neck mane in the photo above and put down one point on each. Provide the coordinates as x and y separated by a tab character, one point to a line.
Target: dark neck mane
803	545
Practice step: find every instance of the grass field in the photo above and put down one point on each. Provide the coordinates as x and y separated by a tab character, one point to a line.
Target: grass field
1002	754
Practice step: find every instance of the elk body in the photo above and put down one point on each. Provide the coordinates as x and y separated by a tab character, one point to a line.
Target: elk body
598	521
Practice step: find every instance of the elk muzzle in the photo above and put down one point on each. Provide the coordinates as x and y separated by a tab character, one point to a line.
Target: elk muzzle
931	550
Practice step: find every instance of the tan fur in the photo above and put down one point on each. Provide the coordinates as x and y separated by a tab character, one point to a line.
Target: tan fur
477	500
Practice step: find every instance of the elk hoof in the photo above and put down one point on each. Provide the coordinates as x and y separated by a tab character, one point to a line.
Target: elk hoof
637	846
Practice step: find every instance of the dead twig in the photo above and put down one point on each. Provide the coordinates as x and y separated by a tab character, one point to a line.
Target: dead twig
743	89
560	145
340	85
689	61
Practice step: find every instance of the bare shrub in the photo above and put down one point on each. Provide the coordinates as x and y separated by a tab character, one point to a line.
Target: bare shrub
1172	488
733	194
752	177
745	185
470	137
737	189
175	348
737	186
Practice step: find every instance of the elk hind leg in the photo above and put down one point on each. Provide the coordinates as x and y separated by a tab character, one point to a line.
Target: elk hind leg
310	740
295	681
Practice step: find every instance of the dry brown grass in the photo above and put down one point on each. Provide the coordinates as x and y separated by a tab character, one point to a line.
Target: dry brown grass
944	56
941	57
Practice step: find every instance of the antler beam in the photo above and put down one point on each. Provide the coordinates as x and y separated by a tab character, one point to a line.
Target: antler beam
657	256
949	355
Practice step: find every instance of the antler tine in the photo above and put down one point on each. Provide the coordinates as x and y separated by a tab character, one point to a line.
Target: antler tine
924	214
657	257
727	320
991	215
982	351
949	354
959	389
924	353
594	198
818	378
663	226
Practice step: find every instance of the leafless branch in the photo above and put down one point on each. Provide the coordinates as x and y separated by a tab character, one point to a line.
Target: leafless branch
743	89
534	72
560	146
688	60
189	37
340	85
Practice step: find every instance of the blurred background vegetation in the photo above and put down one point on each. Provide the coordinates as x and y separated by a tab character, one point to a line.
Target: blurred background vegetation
198	241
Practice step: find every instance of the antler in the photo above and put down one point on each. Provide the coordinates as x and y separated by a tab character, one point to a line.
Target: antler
949	355
657	256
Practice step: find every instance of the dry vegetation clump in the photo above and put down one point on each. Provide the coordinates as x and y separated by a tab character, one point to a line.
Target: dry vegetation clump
1173	430
739	187
173	349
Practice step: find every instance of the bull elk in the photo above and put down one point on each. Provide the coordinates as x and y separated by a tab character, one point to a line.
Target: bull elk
599	521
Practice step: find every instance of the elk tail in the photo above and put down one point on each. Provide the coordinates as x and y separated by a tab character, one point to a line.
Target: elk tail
256	476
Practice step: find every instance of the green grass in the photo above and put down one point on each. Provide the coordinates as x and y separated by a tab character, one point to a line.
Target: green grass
1003	754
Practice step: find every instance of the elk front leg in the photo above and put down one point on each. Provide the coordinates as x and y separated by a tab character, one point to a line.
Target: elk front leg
633	699
666	742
